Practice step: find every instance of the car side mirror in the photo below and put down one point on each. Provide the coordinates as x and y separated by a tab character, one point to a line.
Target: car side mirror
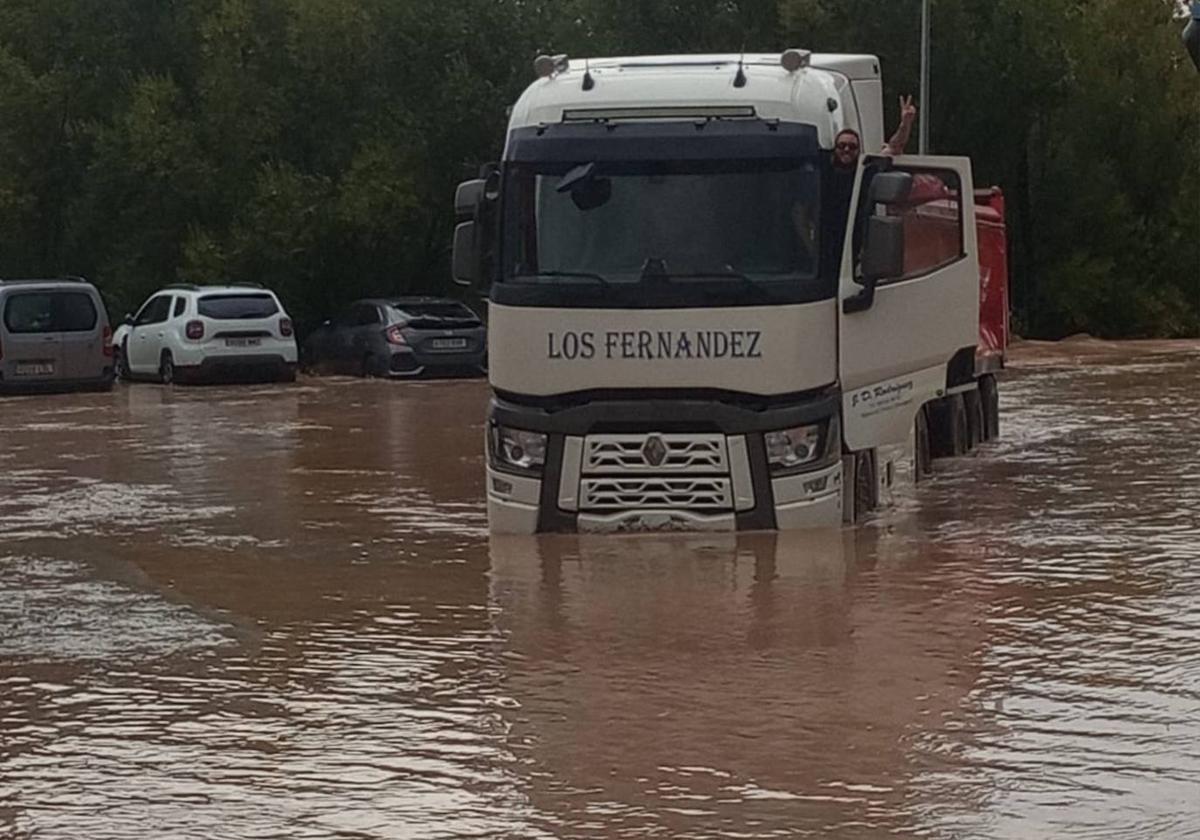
127	320
882	259
467	260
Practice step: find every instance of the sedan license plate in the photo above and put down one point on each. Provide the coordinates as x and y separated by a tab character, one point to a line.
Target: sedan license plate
243	342
35	368
448	343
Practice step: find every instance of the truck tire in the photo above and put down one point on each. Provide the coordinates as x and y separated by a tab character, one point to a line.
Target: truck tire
922	456
989	391
948	434
866	485
975	419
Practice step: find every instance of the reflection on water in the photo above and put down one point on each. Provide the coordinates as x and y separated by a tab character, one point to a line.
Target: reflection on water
275	612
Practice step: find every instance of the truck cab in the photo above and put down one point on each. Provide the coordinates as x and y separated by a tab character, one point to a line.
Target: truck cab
697	321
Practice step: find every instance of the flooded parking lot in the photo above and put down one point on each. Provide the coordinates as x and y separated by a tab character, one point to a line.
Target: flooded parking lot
275	612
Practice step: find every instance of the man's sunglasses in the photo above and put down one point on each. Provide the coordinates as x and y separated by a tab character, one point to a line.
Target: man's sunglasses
847	147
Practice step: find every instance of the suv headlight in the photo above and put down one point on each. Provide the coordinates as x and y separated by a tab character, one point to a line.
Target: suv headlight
518	449
788	449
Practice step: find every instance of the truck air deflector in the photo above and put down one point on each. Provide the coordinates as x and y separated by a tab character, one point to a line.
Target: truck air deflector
668	141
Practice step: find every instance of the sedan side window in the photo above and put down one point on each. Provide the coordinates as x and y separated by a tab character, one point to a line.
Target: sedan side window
367	315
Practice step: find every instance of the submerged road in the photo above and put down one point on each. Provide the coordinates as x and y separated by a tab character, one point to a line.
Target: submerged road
274	612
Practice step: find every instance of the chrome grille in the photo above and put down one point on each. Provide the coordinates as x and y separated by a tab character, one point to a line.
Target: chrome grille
674	453
599	493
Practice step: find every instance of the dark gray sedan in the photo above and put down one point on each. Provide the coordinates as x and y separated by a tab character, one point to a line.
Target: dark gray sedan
400	337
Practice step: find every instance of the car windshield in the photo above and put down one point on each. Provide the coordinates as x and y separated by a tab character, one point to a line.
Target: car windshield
238	307
693	221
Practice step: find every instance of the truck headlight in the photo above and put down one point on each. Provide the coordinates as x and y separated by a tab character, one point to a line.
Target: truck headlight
518	449
788	449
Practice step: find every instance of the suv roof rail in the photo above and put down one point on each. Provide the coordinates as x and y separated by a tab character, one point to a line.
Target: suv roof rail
191	287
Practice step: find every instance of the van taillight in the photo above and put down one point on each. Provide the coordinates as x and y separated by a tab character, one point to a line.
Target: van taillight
108	348
194	330
285	327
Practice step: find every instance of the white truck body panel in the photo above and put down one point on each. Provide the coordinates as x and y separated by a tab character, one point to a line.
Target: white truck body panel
766	350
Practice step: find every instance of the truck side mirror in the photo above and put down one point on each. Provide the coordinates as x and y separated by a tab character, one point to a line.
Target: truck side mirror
467	198
882	259
1191	35
467	260
891	187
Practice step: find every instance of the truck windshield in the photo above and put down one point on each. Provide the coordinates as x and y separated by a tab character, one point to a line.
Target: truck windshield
696	226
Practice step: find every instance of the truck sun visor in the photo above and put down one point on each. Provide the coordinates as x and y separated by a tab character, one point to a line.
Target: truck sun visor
690	140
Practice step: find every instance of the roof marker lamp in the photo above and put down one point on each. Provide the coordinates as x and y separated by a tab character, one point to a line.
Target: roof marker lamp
793	60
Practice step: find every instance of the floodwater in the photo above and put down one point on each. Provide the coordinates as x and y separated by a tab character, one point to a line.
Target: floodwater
274	612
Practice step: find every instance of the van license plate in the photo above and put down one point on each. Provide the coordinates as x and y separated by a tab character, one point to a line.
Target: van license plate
448	343
243	342
35	368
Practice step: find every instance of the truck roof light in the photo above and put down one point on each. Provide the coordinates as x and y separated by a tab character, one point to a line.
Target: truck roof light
793	60
684	112
546	66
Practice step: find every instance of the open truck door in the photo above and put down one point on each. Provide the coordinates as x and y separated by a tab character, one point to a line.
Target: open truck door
909	295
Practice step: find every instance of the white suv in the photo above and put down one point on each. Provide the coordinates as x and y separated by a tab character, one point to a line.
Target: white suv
192	332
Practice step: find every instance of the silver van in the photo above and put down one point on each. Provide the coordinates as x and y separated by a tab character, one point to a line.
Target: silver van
54	335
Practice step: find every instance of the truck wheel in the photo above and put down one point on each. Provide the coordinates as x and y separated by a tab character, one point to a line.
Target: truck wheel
948	427
866	485
989	391
975	419
922	457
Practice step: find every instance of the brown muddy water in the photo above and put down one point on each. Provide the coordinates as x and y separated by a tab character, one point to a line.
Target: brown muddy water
274	612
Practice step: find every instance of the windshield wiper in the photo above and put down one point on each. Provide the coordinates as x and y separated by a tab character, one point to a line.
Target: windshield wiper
578	275
729	274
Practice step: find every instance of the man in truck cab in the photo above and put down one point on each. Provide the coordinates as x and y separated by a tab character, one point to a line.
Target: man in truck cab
838	184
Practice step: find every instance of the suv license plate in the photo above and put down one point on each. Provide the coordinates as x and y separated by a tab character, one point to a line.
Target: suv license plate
243	342
448	343
35	368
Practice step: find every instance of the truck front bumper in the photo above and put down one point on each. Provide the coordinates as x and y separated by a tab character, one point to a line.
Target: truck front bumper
599	476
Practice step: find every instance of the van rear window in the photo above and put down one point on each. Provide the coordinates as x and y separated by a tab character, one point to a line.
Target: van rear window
50	312
237	307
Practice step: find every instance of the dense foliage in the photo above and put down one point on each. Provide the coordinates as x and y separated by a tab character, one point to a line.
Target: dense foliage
314	145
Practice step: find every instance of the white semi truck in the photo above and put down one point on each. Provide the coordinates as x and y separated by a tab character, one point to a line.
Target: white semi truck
697	321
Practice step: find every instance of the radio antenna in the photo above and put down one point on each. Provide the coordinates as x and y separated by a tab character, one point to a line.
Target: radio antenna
739	81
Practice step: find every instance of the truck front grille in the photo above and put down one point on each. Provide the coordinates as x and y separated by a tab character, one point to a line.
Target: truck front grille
604	493
655	453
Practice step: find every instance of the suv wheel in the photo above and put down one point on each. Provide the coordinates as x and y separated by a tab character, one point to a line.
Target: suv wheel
122	365
166	370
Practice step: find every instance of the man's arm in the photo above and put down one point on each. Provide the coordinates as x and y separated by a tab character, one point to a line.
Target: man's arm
908	115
